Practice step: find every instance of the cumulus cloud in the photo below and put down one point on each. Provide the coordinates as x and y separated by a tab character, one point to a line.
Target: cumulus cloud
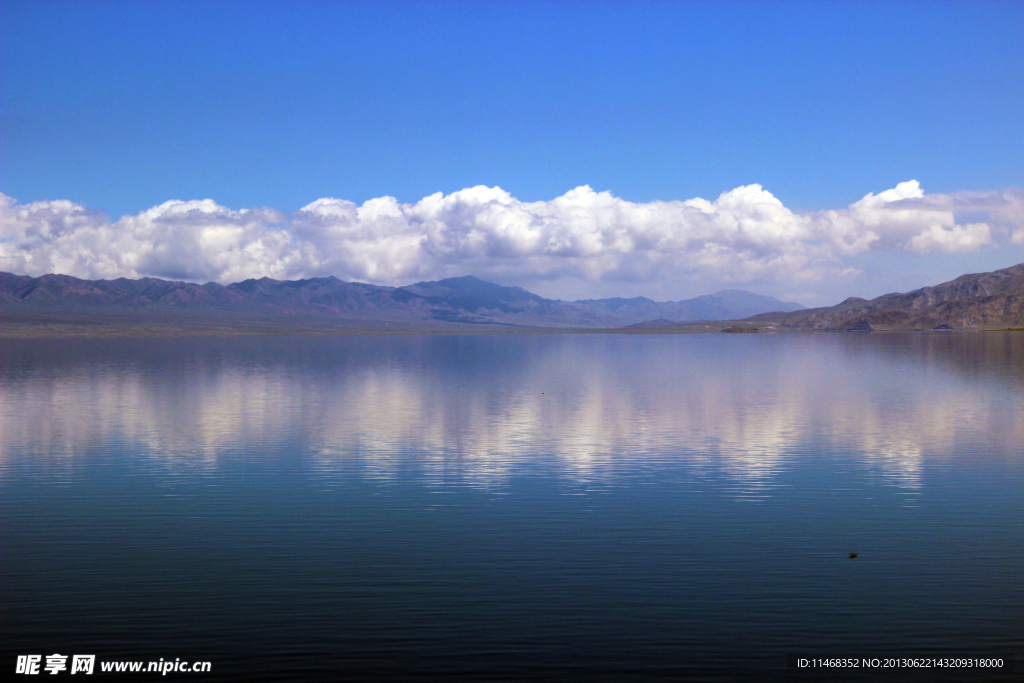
745	235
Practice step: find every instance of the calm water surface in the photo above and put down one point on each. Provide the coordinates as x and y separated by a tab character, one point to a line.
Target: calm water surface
514	507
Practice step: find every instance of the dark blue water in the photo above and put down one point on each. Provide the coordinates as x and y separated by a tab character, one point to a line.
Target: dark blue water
515	507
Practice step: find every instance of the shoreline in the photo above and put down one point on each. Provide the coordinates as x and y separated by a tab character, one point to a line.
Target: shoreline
255	327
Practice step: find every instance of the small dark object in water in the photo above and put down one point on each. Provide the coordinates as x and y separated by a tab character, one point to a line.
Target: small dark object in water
853	555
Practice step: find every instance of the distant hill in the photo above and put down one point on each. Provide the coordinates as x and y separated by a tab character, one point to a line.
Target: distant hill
979	300
729	304
460	299
473	300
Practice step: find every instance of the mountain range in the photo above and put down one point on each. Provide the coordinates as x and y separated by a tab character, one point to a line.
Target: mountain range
973	301
454	300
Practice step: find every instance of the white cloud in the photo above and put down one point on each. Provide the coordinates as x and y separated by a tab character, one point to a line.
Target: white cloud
746	235
952	238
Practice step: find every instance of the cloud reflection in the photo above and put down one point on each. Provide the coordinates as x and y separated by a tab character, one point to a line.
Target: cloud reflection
480	410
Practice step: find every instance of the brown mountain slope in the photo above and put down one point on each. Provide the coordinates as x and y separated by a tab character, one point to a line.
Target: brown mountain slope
976	301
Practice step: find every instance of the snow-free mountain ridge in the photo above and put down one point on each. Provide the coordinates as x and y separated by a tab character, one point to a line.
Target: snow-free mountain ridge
464	299
975	301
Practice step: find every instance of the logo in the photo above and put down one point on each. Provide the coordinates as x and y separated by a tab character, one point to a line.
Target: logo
55	663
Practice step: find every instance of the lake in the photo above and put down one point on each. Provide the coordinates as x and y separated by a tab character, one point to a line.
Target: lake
515	507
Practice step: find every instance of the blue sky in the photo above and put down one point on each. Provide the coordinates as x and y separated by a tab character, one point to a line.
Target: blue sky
120	107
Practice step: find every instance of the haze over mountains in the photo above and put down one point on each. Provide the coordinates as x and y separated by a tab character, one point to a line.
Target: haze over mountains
461	299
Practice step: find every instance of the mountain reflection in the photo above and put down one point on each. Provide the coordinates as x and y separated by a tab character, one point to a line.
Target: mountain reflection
589	408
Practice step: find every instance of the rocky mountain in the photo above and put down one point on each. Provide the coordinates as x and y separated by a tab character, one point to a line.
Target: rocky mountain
979	300
461	299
